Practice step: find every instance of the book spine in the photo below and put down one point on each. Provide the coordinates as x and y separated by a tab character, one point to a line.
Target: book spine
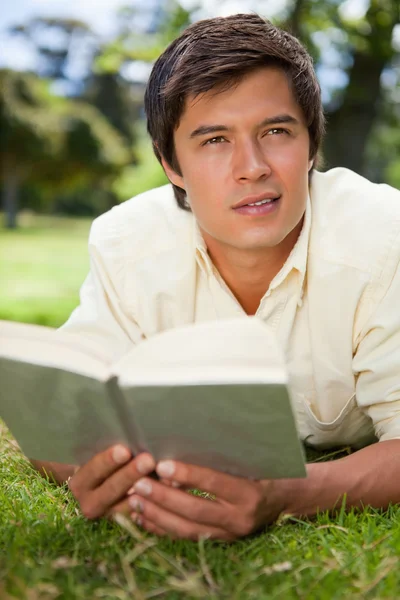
125	416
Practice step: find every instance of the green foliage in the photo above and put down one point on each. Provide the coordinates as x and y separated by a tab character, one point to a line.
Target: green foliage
383	150
29	118
55	142
41	131
392	173
116	100
131	45
147	174
364	49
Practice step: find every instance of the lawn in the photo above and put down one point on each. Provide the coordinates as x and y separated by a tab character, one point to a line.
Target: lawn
49	551
42	266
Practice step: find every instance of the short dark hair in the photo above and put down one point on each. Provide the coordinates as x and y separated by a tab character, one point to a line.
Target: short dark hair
220	52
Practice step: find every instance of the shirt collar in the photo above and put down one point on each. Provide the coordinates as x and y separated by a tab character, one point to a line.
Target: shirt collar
297	259
203	258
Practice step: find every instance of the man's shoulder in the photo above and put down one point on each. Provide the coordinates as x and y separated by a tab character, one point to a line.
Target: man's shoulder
146	224
353	220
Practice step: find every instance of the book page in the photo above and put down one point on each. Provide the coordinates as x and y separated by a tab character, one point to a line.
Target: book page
45	346
230	350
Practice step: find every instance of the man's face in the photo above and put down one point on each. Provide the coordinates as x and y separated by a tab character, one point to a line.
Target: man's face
235	148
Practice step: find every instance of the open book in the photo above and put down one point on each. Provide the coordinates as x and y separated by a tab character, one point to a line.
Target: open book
212	394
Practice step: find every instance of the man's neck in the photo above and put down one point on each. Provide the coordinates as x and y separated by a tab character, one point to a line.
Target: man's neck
248	274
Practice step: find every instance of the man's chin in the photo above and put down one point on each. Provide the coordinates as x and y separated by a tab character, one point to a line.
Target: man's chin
259	244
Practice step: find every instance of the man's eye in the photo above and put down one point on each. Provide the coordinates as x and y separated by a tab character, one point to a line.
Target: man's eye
276	131
215	140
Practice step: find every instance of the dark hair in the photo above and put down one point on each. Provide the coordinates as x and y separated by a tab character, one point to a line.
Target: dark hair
220	52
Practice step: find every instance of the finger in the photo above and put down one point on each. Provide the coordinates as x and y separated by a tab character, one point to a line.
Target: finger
223	486
163	481
136	519
193	508
121	508
150	527
125	509
99	501
98	468
153	517
169	483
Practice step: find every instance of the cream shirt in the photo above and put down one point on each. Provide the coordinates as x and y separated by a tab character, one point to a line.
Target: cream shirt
334	306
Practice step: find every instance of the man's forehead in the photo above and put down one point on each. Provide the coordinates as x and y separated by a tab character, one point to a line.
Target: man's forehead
280	101
230	84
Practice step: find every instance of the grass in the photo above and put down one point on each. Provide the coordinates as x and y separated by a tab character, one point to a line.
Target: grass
49	551
42	266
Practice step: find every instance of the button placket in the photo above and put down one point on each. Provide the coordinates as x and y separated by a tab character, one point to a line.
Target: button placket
274	315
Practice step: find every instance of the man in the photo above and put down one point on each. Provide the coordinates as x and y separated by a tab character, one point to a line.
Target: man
249	227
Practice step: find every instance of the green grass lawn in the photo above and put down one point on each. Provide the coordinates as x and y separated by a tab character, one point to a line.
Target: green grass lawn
42	266
49	551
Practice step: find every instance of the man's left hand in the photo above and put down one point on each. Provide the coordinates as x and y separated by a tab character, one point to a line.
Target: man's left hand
241	506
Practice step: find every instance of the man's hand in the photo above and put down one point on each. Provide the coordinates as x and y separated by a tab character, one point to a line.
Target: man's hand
241	506
369	477
101	485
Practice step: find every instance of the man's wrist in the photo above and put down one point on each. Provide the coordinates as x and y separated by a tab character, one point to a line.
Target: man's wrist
278	494
303	496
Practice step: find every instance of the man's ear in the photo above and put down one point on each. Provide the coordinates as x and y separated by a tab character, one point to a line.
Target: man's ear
172	175
310	164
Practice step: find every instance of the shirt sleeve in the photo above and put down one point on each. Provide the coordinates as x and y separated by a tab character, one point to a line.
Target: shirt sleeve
100	315
376	363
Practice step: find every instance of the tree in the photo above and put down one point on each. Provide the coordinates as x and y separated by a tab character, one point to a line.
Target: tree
372	51
56	41
53	140
366	51
145	45
115	98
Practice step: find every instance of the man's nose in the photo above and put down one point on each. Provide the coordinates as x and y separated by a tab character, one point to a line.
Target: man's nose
250	163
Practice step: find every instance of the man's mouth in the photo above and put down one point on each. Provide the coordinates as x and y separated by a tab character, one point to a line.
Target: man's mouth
269	201
259	200
257	206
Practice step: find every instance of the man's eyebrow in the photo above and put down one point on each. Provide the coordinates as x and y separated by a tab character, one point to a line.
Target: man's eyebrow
276	120
207	129
279	120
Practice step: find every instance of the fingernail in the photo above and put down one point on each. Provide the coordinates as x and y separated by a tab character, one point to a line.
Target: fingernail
136	518
136	504
120	454
131	491
143	487
145	464
175	484
165	468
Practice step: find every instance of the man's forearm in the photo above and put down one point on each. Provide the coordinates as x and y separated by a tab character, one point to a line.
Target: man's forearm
57	471
370	476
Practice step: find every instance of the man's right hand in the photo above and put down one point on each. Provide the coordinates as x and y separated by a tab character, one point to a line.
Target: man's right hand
101	485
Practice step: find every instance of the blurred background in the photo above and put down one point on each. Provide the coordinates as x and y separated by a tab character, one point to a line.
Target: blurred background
72	129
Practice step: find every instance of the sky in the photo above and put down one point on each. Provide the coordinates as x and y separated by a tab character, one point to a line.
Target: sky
100	16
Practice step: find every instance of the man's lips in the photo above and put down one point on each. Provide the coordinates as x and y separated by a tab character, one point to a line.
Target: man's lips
259	198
